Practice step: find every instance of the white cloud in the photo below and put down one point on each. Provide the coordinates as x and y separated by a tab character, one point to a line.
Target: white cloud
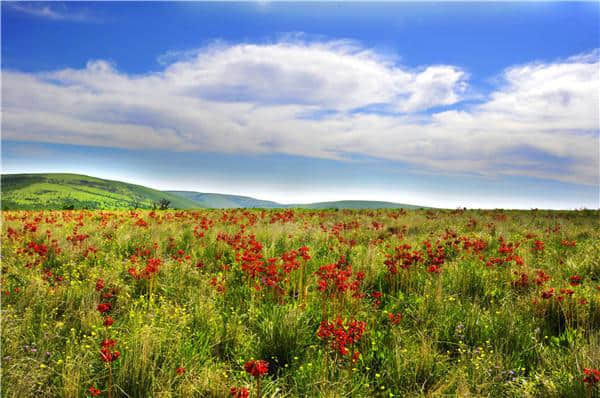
50	10
302	98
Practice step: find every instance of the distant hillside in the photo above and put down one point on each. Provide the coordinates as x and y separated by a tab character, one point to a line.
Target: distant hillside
223	201
59	191
75	191
355	204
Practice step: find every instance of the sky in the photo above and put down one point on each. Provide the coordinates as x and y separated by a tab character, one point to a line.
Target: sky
484	105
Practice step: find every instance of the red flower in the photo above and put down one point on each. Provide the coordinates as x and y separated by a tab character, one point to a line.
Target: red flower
592	376
152	265
180	370
376	298
99	284
339	334
241	392
94	392
133	272
542	277
103	307
434	269
538	246
106	343
395	318
109	356
105	352
575	280
548	293
108	321
257	368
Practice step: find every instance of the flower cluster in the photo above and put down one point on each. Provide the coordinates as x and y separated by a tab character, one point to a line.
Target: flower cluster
256	368
395	319
402	257
338	335
591	376
335	279
151	269
106	352
239	392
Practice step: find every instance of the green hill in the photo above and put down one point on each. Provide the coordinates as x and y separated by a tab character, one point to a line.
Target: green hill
223	201
75	191
60	191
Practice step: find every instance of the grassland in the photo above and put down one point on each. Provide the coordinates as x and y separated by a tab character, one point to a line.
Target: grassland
58	191
371	303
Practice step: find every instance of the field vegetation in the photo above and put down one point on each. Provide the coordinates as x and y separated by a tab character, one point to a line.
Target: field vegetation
300	303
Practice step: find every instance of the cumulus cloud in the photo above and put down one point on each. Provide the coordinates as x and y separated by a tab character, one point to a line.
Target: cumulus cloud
322	99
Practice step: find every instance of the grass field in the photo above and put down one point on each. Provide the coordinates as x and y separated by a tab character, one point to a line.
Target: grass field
370	303
57	191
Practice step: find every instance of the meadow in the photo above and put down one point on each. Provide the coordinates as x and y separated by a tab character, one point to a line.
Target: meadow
300	303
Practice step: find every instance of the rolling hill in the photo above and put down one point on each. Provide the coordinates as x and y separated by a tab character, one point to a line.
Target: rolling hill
223	201
66	191
60	191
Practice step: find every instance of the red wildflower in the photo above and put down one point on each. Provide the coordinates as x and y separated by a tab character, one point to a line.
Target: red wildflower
340	334
108	321
108	355
180	370
152	265
434	269
94	392
103	307
592	376
575	280
548	293
523	280
239	392
107	343
257	368
133	272
99	284
376	298
335	279
395	318
542	277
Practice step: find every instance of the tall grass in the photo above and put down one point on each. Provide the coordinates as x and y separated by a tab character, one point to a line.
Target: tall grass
471	329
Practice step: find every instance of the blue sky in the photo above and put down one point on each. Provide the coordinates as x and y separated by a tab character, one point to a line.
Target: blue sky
447	104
